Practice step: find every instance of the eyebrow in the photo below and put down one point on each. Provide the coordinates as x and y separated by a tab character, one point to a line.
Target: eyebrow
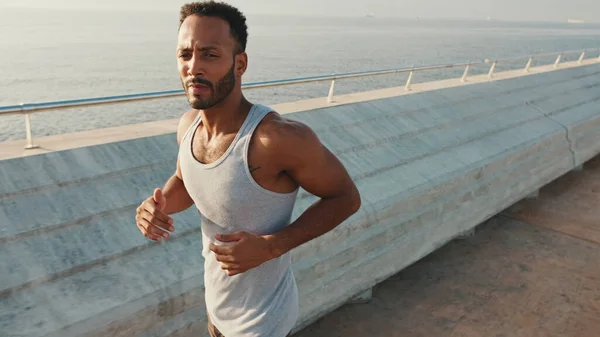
188	47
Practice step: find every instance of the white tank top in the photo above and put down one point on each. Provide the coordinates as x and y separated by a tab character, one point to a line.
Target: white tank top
263	301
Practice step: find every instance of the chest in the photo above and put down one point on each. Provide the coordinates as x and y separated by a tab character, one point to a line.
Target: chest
243	156
207	150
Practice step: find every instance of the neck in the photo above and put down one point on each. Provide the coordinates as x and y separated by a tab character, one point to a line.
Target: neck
226	116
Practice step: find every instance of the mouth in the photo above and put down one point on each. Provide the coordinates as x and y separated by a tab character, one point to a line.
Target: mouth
198	89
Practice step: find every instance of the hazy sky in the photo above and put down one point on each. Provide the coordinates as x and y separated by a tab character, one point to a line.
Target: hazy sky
529	10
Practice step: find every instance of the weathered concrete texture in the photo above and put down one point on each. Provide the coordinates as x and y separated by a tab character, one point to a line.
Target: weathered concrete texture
575	106
530	272
429	166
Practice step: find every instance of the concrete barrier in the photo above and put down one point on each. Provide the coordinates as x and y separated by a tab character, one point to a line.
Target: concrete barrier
430	166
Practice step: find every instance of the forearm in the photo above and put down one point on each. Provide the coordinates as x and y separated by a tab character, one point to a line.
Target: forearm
178	199
320	218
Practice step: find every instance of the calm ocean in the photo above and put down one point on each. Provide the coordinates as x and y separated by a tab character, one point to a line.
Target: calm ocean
58	55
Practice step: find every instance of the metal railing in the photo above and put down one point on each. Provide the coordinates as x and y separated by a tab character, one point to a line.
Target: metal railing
29	108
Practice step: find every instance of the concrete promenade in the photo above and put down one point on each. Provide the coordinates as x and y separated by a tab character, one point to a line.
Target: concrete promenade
532	270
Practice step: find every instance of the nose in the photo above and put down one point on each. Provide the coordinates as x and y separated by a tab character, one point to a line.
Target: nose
195	66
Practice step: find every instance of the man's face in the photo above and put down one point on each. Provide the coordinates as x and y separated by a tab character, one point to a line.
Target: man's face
206	61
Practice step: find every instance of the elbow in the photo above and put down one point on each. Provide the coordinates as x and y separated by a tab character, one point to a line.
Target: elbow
355	200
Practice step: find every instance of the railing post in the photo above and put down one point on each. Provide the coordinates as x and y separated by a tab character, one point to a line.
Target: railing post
492	68
331	92
466	73
528	64
581	58
557	61
408	82
29	144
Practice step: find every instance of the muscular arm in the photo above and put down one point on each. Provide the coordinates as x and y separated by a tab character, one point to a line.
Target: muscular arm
314	168
176	195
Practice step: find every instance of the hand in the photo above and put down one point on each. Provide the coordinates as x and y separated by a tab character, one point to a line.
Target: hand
246	252
150	218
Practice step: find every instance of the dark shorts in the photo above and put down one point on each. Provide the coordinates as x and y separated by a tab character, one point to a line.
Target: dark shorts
214	332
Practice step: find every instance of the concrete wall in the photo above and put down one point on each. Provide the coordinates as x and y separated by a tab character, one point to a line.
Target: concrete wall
429	166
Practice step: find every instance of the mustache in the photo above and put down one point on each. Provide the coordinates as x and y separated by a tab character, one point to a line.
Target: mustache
198	80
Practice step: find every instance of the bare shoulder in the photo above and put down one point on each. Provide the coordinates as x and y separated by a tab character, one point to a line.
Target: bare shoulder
276	131
287	140
184	123
295	149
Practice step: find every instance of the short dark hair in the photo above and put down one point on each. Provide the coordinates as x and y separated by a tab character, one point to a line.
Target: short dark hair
236	20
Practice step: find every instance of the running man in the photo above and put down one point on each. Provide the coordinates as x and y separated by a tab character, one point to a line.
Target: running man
242	164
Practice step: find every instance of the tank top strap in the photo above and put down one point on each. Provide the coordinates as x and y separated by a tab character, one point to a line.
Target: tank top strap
192	127
256	115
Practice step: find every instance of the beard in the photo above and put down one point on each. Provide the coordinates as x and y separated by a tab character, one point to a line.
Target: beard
218	91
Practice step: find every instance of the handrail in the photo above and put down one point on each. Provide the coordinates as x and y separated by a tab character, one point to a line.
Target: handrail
522	58
45	106
28	108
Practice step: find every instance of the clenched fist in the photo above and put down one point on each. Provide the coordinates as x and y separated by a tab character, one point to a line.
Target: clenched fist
244	251
150	218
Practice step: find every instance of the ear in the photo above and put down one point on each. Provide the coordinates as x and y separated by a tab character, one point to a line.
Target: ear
241	64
